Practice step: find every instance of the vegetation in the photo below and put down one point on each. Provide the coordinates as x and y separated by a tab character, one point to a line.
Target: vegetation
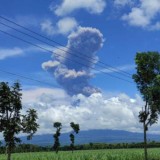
118	154
58	126
76	129
147	79
29	123
91	146
10	116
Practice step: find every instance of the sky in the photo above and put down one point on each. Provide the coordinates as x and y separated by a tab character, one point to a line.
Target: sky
85	66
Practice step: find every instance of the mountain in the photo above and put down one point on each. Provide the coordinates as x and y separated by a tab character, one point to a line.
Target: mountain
94	136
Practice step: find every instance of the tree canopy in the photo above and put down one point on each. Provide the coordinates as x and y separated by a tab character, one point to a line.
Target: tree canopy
147	79
11	119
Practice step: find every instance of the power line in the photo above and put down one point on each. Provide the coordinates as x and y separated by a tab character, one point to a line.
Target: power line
35	45
111	67
25	77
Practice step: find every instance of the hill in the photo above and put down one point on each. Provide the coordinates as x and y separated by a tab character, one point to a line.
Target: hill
94	136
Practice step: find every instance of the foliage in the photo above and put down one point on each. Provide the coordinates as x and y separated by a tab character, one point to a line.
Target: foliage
56	145
10	115
21	148
76	129
29	123
147	79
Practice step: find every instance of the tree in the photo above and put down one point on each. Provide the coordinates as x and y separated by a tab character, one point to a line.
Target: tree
76	129
56	145
10	115
29	123
147	79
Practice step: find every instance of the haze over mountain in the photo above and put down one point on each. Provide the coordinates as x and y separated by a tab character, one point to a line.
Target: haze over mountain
94	136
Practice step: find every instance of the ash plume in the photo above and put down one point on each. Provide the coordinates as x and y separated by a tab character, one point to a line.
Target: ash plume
72	68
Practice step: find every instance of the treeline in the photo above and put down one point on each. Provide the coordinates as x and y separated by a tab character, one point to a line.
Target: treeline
91	146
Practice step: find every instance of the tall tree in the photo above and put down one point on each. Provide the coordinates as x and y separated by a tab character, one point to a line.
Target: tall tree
29	123
147	79
56	145
10	115
76	129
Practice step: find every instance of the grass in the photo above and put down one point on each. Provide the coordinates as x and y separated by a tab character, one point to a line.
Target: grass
116	154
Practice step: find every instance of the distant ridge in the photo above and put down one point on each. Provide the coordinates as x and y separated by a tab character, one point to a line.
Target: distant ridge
94	136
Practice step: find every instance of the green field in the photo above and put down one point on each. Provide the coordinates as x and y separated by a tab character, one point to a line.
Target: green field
116	154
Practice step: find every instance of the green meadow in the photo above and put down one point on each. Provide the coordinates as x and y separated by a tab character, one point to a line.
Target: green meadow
114	154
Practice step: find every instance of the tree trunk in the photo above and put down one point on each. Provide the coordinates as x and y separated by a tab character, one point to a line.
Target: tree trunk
8	153
145	142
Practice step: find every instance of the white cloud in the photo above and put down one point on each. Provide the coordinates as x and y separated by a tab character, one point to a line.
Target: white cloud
16	51
68	6
66	25
94	112
47	26
137	17
63	26
6	53
145	15
48	64
44	94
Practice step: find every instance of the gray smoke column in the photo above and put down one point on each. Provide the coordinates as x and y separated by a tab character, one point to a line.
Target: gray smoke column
72	72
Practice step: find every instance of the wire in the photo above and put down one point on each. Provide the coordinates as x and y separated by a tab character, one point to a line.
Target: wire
24	77
61	55
111	67
58	47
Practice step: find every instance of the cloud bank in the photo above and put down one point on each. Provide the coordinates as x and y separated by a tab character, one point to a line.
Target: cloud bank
98	111
71	66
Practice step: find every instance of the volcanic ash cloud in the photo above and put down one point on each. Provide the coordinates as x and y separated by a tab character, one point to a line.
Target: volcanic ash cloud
71	66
